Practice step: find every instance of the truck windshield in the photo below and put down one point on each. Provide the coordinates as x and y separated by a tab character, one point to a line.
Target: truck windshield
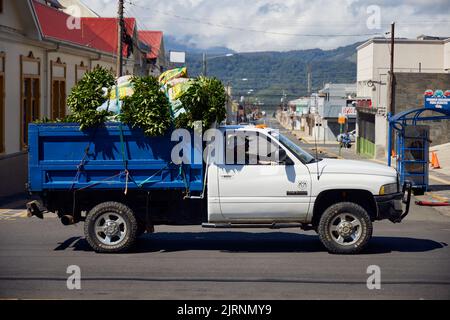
301	154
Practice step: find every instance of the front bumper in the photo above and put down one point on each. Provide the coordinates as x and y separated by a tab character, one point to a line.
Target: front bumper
391	206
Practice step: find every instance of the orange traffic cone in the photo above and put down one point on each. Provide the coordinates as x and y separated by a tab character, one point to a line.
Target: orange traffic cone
434	160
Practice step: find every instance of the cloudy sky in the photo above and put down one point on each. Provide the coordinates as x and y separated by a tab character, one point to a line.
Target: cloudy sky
260	25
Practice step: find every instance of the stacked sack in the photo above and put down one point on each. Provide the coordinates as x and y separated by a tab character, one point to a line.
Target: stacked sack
175	83
115	94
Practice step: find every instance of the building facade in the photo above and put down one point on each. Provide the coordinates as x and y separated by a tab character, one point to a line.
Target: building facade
156	55
337	101
426	57
44	52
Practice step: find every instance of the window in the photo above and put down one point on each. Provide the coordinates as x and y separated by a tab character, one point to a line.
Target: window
30	69
249	148
58	89
2	102
80	70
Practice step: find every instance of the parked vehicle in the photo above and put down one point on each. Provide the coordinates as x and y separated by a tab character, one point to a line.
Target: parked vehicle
345	141
351	135
122	183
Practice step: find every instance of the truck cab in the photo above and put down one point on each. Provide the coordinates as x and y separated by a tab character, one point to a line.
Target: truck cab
338	198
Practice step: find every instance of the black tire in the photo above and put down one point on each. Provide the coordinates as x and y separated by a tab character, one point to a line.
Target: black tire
350	211
130	226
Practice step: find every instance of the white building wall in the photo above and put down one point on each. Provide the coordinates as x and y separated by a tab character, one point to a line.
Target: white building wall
12	90
71	61
364	64
447	56
373	63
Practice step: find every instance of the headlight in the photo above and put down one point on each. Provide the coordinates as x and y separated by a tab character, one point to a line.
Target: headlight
389	188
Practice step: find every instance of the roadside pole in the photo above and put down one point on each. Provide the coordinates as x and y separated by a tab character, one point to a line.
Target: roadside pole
391	92
120	27
204	64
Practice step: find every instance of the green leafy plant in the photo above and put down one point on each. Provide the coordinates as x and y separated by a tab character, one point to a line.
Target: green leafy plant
67	119
87	96
203	101
148	108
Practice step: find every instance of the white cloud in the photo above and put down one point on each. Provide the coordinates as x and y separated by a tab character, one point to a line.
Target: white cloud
230	23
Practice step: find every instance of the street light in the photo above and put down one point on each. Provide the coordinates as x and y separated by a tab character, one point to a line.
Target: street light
215	57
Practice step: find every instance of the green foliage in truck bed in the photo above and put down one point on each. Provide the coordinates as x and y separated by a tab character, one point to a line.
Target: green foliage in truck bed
148	108
87	96
203	101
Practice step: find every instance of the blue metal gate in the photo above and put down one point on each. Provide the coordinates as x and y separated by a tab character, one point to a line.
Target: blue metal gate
412	140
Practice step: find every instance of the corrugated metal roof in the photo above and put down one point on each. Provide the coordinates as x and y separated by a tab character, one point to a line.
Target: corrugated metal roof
152	39
95	33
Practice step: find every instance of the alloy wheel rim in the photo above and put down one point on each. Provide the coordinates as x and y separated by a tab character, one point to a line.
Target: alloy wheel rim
110	228
345	229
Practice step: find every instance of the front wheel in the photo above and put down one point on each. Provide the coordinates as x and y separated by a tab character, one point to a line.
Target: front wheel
110	227
345	228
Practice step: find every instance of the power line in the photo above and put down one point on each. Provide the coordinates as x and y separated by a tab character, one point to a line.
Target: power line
156	51
172	15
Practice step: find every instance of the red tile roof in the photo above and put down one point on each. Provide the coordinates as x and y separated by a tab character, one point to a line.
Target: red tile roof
152	39
95	33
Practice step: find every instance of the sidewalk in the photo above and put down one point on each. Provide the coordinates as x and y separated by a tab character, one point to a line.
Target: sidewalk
301	135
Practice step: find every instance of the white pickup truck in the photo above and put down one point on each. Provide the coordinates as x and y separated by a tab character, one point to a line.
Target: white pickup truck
339	199
271	185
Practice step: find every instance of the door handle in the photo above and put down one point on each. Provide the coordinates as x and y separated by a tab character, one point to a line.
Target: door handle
226	175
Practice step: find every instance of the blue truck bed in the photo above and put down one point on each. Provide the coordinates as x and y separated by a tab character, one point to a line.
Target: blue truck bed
61	157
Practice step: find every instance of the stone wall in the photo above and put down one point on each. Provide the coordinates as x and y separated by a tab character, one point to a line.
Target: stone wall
409	95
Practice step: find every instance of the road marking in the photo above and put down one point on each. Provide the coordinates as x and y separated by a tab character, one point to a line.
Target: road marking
12	214
439	179
438	197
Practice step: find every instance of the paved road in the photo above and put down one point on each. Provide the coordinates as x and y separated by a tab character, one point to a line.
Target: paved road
195	263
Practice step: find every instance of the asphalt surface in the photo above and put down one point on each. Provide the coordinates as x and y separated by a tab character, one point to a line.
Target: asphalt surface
195	263
189	262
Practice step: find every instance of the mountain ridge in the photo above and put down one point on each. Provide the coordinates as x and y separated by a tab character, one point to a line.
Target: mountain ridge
270	74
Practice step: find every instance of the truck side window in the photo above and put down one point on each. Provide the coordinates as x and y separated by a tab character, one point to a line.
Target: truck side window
249	148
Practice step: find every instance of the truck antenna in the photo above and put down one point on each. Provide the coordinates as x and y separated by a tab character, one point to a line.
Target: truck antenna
317	152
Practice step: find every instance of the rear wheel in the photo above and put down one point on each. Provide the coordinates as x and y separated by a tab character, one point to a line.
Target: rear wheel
110	227
345	228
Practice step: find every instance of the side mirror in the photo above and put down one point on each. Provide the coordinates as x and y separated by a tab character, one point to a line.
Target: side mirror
283	157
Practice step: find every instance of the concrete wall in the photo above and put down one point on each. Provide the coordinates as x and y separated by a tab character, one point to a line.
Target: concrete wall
431	57
373	61
408	56
13	173
12	91
447	56
409	95
18	38
364	63
381	126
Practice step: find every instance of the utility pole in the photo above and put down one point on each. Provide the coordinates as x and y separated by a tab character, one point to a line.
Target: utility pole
391	109
391	74
309	80
204	64
120	28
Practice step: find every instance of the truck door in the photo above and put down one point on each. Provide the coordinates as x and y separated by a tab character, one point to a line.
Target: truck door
257	187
